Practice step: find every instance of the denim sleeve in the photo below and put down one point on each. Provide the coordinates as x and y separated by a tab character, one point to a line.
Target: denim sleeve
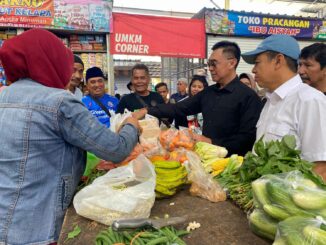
80	128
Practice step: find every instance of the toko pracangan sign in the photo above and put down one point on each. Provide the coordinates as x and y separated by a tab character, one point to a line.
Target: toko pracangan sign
253	24
157	36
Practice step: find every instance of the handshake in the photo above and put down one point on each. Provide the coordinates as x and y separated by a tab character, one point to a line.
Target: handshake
133	119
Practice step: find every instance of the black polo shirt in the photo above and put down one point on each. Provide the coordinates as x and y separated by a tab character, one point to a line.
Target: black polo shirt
230	114
133	102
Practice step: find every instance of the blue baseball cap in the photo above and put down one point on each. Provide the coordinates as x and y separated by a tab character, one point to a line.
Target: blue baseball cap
283	44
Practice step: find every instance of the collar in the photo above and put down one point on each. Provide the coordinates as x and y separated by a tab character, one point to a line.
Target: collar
230	86
182	95
285	89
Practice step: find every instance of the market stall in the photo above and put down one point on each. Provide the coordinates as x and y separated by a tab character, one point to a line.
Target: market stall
221	223
170	175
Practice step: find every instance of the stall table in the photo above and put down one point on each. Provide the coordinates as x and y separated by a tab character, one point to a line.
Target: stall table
221	223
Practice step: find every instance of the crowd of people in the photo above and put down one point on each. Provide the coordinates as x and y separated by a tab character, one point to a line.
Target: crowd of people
47	123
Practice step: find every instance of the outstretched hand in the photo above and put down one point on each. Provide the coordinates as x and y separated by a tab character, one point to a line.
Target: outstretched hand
133	121
140	114
201	138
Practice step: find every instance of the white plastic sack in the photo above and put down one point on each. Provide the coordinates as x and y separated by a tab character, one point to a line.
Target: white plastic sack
123	193
117	119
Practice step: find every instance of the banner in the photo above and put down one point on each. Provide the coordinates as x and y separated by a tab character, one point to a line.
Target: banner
252	24
87	15
25	13
84	15
157	36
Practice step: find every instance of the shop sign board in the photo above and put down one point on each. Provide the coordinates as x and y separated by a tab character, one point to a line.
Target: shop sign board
30	12
254	24
85	15
157	36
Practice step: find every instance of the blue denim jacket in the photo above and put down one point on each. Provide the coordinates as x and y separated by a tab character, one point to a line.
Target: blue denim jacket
44	132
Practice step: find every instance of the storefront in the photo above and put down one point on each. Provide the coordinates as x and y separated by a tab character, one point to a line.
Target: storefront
248	29
83	26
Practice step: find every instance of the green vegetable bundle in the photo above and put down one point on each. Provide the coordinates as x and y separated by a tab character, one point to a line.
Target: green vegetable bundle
166	235
269	158
278	197
301	230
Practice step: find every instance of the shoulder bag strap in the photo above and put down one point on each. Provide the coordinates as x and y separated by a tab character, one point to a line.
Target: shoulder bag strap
142	102
97	101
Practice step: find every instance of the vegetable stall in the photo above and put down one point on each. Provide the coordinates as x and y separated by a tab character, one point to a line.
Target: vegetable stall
168	177
220	223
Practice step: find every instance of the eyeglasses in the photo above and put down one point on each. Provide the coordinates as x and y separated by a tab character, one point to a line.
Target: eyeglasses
215	63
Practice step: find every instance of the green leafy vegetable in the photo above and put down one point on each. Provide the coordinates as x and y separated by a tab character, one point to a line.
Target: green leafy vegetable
268	158
73	233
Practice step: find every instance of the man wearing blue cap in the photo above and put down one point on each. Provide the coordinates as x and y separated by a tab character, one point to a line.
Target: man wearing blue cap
98	102
292	107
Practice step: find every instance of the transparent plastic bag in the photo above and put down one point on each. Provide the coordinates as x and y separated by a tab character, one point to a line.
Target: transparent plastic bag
149	138
172	138
123	193
289	194
150	127
203	184
301	230
117	119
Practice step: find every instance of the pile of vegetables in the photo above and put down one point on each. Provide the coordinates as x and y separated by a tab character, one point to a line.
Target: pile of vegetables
172	138
278	197
211	155
269	158
170	175
301	230
165	235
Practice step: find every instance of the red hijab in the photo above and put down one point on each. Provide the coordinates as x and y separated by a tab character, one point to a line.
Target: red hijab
39	55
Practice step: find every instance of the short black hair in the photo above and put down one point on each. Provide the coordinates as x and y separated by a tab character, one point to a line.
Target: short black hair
316	51
244	75
77	59
129	85
200	78
291	63
161	84
140	67
231	48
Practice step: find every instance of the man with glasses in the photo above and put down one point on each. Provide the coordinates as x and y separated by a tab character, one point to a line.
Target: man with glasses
97	101
230	109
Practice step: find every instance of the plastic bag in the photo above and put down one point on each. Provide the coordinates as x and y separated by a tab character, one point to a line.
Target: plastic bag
172	138
301	230
289	194
123	193
91	163
149	138
203	184
117	119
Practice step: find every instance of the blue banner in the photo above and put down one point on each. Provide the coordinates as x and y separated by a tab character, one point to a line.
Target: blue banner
252	24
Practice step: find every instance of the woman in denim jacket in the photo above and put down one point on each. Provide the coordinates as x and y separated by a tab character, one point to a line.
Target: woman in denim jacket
44	133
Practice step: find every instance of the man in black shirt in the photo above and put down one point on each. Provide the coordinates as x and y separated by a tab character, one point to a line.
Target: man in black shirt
142	97
230	109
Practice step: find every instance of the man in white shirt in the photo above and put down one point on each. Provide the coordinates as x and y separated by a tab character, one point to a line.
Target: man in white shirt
292	107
